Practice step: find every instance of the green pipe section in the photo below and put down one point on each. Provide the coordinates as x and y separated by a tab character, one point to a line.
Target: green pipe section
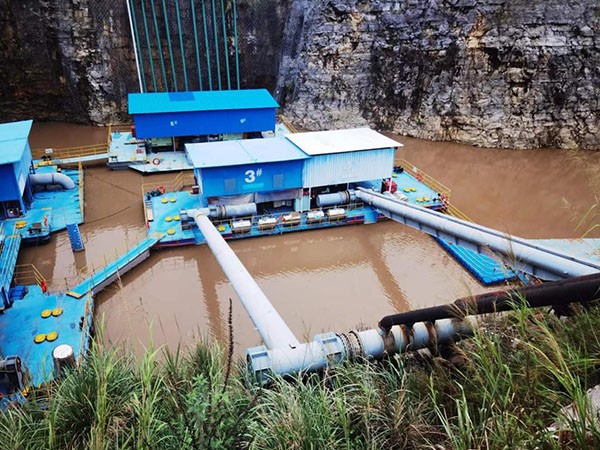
159	47
138	45
235	44
225	46
209	69
196	43
148	45
214	25
164	5
185	80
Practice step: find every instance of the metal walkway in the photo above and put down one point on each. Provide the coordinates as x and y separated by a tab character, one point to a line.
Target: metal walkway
535	259
113	270
8	260
70	155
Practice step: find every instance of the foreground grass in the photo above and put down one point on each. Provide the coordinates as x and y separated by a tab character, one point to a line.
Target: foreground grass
513	380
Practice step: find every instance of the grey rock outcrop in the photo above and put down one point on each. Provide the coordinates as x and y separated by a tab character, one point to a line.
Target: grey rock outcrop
501	73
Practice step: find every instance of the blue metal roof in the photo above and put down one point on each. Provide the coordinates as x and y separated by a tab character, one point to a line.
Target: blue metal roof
166	102
247	151
13	140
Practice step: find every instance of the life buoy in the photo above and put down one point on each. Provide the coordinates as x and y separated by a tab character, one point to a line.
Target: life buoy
419	176
44	286
156	161
162	190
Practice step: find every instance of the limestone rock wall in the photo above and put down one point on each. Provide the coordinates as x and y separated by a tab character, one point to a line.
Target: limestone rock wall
509	73
503	73
73	60
64	60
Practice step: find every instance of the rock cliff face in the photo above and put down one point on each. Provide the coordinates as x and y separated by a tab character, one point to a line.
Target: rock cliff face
63	60
73	60
507	73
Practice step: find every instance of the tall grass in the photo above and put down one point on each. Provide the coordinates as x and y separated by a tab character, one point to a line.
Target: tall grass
516	376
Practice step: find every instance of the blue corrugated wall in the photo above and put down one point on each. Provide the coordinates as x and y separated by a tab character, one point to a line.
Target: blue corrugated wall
9	188
204	122
243	179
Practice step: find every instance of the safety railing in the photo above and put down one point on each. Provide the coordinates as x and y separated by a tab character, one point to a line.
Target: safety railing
28	274
81	200
90	271
68	152
181	181
438	187
287	123
455	212
117	129
425	178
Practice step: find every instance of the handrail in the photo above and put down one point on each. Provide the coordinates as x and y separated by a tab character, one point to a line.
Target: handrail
27	274
287	123
182	179
455	212
425	178
81	200
70	152
126	128
82	275
437	186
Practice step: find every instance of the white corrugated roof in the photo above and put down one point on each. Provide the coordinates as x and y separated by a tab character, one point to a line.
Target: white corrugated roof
246	151
340	141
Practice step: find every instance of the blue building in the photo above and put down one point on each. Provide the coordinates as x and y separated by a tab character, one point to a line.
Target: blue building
267	172
15	162
202	113
290	172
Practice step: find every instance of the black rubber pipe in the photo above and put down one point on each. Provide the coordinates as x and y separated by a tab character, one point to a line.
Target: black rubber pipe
562	292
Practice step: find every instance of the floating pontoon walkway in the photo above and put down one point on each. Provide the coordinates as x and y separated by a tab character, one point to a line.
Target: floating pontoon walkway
109	273
8	260
485	268
71	155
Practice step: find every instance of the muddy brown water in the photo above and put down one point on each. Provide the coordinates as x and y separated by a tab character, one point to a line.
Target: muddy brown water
325	280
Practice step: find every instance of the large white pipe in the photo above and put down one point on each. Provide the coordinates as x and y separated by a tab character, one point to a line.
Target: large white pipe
268	322
330	348
535	259
51	178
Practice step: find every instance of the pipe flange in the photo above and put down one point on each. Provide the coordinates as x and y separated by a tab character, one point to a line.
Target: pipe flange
359	347
389	342
347	346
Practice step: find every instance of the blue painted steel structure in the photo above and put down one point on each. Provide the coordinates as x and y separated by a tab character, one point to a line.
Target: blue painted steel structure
15	160
75	237
170	114
247	166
